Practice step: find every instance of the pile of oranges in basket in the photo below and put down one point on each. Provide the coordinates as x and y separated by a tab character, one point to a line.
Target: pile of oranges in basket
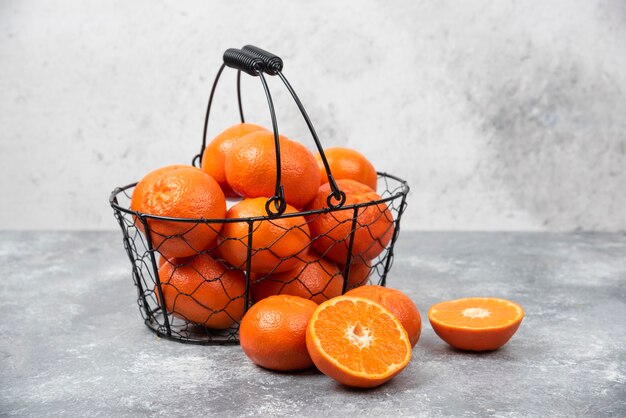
295	284
290	254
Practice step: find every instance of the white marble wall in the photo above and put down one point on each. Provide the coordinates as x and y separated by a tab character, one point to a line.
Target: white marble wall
501	114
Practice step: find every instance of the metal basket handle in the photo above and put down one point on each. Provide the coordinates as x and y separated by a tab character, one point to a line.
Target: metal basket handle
256	61
272	64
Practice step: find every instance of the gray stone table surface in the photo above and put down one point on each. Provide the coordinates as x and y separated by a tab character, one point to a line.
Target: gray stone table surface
73	342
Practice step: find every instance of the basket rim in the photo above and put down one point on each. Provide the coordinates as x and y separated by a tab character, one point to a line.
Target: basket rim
115	205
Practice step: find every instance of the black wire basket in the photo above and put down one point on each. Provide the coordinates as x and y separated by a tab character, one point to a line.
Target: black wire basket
208	308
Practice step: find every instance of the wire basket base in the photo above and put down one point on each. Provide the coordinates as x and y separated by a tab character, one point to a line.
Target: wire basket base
189	333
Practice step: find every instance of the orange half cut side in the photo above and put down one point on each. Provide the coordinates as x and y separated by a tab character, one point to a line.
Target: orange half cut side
357	342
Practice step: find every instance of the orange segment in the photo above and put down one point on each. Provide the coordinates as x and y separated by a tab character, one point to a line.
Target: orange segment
357	342
476	324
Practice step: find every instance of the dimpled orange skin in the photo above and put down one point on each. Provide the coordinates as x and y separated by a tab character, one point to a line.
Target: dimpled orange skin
487	335
331	231
398	304
272	240
214	155
251	168
202	290
346	163
179	192
273	332
313	278
392	343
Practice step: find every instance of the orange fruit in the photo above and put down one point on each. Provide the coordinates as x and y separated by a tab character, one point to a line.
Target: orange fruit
214	155
273	332
476	324
346	163
275	242
313	278
357	342
331	231
203	290
398	304
179	192
251	168
360	270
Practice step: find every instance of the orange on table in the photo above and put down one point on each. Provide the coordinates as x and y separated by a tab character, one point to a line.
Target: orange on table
331	231
346	163
313	278
251	168
476	324
180	192
204	291
398	304
275	242
357	342
214	155
273	332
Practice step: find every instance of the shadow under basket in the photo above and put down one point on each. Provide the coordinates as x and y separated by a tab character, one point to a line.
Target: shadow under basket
201	296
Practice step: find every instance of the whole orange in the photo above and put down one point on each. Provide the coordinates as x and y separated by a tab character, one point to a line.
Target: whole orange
179	192
251	168
397	303
313	278
331	231
202	290
275	242
346	163
214	155
273	332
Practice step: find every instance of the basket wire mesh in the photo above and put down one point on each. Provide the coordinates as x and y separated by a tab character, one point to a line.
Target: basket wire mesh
178	311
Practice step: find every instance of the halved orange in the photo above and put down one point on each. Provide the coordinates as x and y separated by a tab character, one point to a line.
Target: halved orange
357	342
476	324
398	304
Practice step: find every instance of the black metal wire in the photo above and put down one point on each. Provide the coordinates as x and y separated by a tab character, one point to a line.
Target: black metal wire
273	65
278	200
243	120
140	250
396	232
346	274
198	158
336	194
243	61
136	277
143	253
402	189
155	269
249	260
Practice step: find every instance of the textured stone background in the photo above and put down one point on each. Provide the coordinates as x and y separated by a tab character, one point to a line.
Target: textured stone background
501	115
